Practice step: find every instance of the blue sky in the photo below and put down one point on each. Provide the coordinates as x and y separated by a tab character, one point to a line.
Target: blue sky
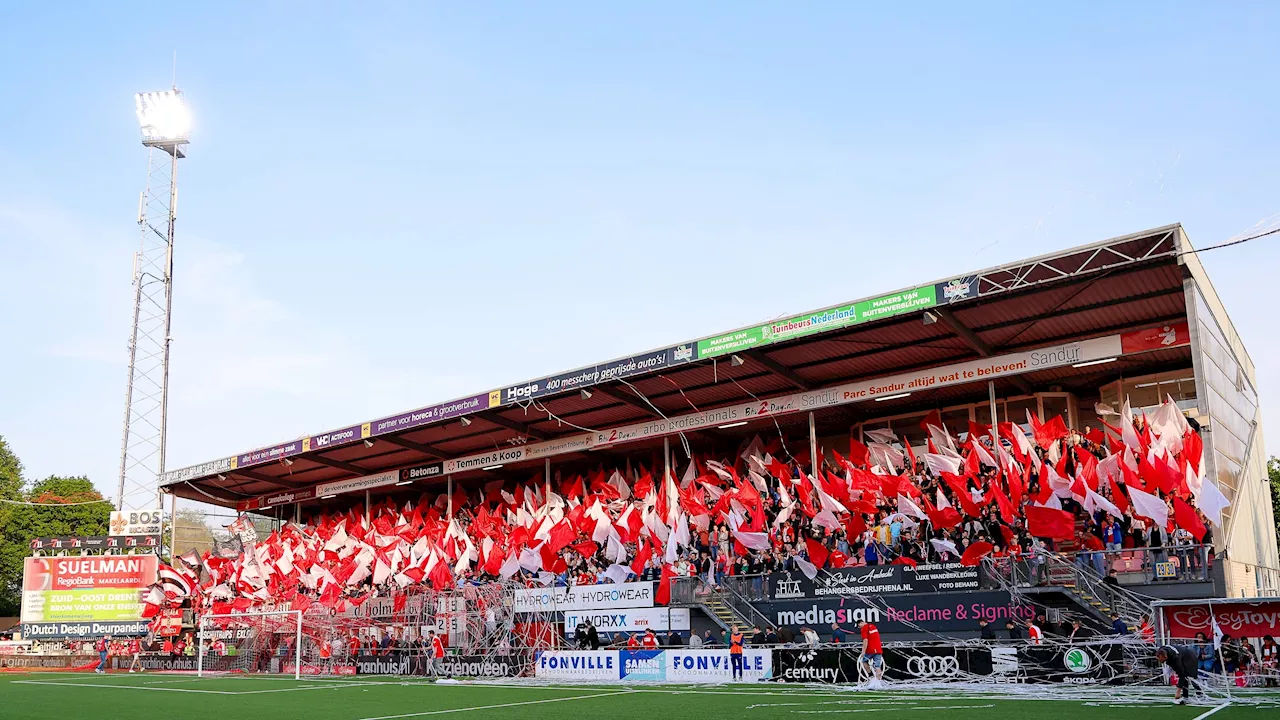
400	204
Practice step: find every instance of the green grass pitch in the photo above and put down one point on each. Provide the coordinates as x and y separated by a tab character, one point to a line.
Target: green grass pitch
71	696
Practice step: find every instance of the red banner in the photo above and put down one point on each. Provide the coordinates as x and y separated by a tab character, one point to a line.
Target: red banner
1253	619
1155	338
85	573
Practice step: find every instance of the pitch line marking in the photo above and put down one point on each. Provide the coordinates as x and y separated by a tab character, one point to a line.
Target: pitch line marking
1204	715
495	707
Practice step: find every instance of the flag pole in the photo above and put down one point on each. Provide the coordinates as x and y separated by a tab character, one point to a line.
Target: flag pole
449	502
1217	646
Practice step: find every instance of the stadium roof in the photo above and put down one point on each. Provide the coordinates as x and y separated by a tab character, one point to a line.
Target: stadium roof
1092	291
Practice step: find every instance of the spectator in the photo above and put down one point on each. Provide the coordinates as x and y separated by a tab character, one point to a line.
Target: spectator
1015	633
709	640
1079	633
695	641
837	634
985	631
810	637
650	641
1118	626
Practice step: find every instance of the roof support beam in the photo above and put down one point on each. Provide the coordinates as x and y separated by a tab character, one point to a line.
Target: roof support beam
629	399
278	482
340	465
427	450
503	421
779	369
975	343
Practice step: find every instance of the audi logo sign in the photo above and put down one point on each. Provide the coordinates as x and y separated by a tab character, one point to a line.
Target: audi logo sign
933	666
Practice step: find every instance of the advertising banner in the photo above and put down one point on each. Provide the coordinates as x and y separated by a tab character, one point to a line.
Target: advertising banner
651	361
713	666
1083	664
830	319
366	482
684	666
875	580
1156	338
481	666
75	590
659	619
585	597
72	630
1253	619
944	376
942	612
578	665
809	665
642	665
136	522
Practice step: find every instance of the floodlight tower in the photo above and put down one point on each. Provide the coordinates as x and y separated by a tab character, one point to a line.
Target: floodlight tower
166	123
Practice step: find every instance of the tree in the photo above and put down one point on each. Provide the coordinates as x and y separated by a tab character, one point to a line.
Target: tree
46	519
10	489
1273	474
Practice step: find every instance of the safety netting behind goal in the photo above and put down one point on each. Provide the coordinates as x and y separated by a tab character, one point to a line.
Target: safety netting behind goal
477	626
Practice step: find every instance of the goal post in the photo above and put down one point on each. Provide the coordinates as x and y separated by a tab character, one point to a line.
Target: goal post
252	642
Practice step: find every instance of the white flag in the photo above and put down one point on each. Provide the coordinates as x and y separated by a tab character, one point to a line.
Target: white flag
809	569
1212	502
1148	505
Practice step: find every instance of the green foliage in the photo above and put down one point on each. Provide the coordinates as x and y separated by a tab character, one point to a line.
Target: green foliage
20	523
1273	474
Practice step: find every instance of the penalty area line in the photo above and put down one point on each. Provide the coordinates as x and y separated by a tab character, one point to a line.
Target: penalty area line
495	707
1206	714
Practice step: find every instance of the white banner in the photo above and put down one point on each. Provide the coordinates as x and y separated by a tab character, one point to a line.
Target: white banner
578	665
632	620
610	596
702	666
365	482
863	390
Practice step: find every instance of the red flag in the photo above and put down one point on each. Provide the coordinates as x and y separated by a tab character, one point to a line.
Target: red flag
561	535
1117	497
975	552
859	454
663	594
1051	431
904	560
1006	507
1193	449
441	577
1187	519
854	526
978	430
934	418
586	548
643	486
641	560
817	552
1050	523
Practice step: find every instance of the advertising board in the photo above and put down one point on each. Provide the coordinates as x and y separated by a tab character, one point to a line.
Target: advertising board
79	590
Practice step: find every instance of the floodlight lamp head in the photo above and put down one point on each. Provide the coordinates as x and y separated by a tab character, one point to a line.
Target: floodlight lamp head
164	118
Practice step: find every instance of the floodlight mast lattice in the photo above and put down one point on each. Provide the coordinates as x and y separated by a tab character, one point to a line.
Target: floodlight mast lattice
165	122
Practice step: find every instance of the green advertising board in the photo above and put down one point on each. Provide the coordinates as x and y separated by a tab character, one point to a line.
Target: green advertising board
81	605
834	318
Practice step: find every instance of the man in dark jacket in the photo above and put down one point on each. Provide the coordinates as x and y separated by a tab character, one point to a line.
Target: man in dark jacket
987	632
1182	661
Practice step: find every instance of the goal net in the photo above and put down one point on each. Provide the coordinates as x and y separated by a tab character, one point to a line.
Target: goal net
255	642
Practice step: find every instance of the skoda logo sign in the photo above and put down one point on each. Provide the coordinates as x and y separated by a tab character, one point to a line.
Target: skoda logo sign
1077	660
933	665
